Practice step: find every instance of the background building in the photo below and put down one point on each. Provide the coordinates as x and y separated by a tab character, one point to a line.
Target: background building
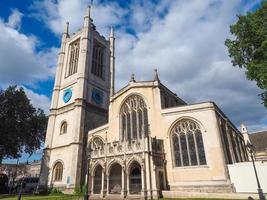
259	140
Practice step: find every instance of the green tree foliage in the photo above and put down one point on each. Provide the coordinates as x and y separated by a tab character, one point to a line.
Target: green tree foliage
22	127
249	47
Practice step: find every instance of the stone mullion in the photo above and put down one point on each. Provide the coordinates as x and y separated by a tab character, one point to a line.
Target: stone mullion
173	150
102	64
76	58
180	150
93	60
98	62
122	128
131	123
188	150
196	147
143	124
71	61
126	127
137	124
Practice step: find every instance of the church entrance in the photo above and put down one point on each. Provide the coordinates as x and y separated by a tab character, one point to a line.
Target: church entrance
115	179
135	179
98	180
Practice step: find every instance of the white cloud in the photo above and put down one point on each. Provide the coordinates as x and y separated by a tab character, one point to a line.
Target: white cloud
19	61
14	20
183	39
38	100
55	14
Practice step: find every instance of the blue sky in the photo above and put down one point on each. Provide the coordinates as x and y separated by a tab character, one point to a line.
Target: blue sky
184	40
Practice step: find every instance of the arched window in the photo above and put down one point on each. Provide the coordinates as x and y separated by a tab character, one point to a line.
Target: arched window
57	172
133	118
97	144
63	128
187	144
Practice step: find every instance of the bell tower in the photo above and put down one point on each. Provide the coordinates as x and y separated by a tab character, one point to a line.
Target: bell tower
79	103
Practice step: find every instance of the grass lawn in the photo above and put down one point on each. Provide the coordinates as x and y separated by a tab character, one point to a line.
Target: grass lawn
48	197
75	197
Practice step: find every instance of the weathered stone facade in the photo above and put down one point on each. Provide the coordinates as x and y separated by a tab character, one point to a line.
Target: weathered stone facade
137	142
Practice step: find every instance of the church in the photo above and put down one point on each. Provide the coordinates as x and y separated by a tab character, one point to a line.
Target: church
136	142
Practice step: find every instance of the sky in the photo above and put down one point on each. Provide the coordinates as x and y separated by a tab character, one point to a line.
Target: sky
184	40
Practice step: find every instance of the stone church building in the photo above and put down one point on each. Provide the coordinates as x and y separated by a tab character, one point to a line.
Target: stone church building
136	142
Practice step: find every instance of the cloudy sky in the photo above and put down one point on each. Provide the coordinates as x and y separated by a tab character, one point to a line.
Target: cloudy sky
184	40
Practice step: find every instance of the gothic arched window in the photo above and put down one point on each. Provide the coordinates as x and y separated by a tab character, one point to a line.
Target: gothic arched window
63	128
57	172
97	143
187	144
74	49
133	118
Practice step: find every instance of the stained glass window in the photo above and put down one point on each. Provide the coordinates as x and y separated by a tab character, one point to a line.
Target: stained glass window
134	110
187	141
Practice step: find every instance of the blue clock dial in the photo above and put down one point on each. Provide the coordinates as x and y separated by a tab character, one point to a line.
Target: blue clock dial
67	95
97	96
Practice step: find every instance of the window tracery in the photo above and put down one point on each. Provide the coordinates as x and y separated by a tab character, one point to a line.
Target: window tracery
98	68
74	58
58	171
134	118
187	144
97	143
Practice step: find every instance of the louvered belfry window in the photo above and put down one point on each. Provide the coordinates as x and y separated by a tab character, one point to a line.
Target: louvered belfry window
74	50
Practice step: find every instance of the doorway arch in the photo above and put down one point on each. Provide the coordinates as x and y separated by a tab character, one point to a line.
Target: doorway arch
97	180
115	179
135	179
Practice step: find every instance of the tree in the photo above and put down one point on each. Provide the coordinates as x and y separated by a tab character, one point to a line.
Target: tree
248	49
22	127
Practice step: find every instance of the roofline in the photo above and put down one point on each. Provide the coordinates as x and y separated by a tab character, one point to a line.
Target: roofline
135	84
174	94
257	132
225	117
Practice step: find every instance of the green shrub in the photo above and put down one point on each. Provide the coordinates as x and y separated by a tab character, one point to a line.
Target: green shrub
79	190
55	191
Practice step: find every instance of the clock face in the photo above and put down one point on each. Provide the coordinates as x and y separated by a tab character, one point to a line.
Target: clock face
97	96
67	95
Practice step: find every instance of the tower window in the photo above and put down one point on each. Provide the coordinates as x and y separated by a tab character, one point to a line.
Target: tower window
63	128
58	171
73	58
98	60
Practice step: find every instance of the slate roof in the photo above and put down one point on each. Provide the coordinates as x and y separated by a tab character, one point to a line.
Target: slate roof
259	140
